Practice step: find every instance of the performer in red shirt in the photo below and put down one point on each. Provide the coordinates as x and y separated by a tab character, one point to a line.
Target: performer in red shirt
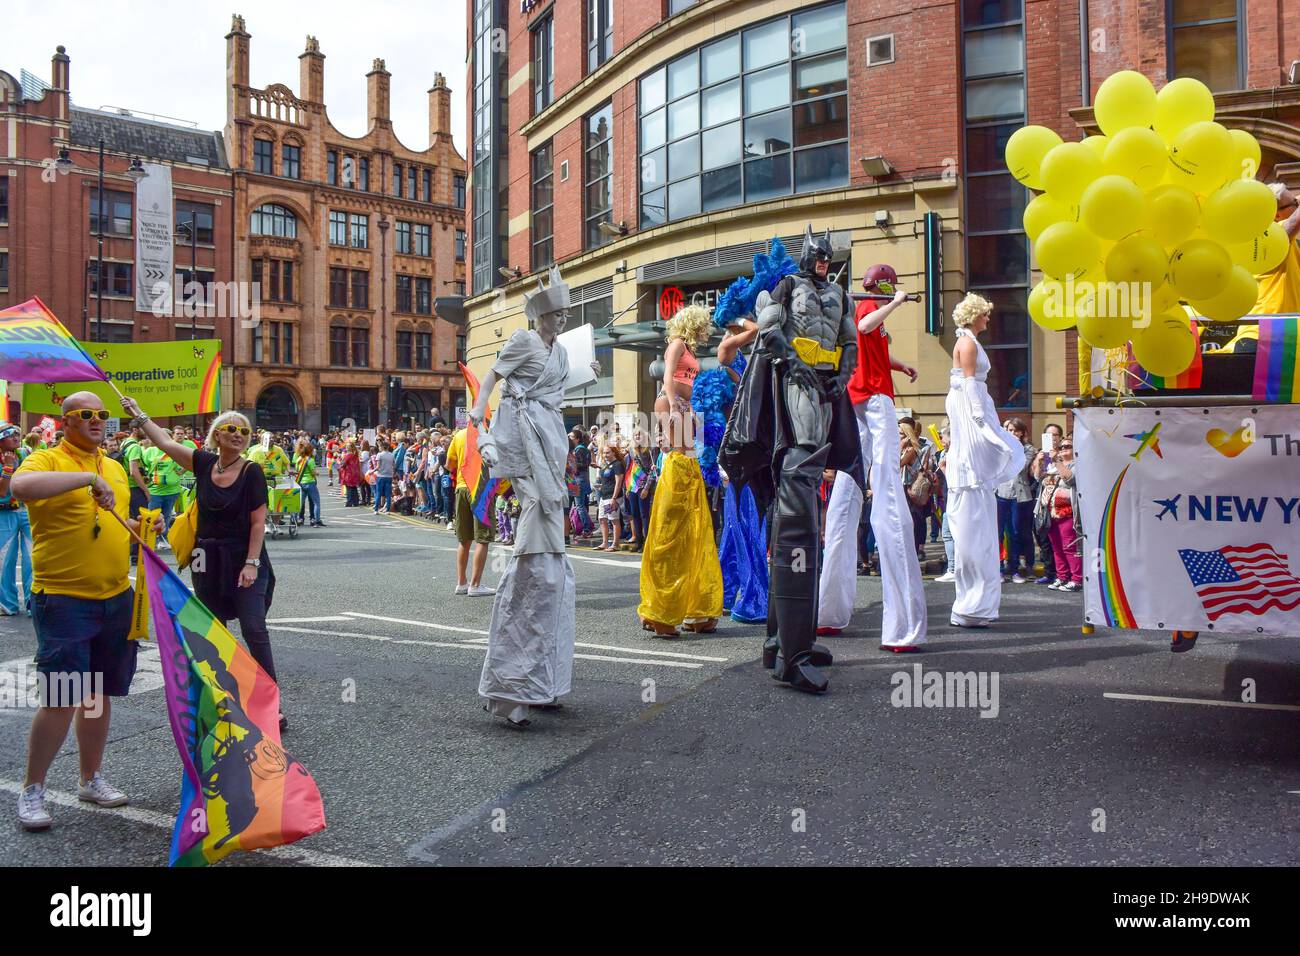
871	389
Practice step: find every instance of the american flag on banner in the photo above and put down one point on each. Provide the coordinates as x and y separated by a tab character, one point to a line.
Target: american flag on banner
1250	579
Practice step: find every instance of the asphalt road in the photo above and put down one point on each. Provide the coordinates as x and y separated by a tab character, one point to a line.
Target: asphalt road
687	752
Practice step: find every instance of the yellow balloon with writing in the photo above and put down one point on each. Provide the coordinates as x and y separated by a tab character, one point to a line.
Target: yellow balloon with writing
1181	103
1068	170
1025	151
1237	298
1125	99
1167	347
1066	249
1199	268
1239	211
1138	260
1139	154
1052	307
1201	157
1112	207
1042	211
1264	253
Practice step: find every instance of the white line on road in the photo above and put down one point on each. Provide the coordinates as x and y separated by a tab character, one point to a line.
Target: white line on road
305	620
637	650
1197	700
398	620
153	818
475	646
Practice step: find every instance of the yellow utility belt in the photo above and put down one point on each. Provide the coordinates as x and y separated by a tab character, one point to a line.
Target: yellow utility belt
811	351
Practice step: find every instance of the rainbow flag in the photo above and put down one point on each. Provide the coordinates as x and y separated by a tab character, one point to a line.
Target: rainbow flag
239	789
1277	362
635	475
485	488
35	347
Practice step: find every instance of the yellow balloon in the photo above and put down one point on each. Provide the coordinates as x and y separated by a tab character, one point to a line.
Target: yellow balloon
1167	347
1025	151
1199	268
1201	156
1050	307
1264	253
1044	210
1112	207
1246	149
1104	331
1163	298
1179	104
1173	213
1237	298
1138	153
1139	261
1239	211
1097	144
1125	99
1066	249
1068	169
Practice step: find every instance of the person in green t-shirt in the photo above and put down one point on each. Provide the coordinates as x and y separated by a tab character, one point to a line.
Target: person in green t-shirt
164	482
304	470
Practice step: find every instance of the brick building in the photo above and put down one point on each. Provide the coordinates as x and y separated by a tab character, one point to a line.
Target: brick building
49	223
358	244
652	148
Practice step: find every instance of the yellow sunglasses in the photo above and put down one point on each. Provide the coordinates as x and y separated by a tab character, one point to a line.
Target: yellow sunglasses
233	429
86	414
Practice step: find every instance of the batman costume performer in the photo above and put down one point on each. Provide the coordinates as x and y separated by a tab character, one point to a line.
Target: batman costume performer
792	419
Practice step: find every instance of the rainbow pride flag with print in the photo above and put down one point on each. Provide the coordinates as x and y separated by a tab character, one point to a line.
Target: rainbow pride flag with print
484	488
240	790
635	475
1277	361
35	347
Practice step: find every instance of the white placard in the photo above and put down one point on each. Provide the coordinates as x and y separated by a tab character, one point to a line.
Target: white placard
580	343
370	435
153	241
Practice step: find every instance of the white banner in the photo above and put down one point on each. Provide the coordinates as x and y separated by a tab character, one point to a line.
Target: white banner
153	240
1191	518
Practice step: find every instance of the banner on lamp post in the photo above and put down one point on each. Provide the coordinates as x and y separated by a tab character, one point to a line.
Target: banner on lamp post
154	250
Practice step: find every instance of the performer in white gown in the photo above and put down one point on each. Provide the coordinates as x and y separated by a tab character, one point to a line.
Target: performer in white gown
530	642
981	456
903	613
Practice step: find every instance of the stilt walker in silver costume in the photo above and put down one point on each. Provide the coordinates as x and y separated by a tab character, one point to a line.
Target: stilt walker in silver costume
808	352
530	643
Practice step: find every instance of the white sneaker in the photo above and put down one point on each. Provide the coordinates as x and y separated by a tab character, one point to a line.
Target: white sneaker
162	544
462	589
1072	586
102	793
451	526
1056	585
947	577
481	590
31	808
1017	578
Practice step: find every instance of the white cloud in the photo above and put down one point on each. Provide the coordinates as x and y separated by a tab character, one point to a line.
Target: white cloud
170	59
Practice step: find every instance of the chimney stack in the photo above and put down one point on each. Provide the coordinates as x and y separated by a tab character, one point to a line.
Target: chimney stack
237	41
311	72
439	110
377	108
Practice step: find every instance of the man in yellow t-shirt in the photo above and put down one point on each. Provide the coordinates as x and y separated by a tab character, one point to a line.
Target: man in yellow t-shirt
81	600
468	527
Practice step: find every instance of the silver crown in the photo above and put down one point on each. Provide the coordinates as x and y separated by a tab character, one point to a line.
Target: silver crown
554	298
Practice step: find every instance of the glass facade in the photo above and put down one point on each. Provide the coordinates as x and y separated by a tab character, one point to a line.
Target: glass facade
755	115
543	202
997	249
488	68
598	173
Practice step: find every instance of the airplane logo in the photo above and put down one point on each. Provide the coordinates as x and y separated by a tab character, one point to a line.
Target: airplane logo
1170	506
1148	439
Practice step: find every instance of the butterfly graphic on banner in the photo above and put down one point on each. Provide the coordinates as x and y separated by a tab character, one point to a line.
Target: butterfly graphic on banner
101	356
198	352
1245	579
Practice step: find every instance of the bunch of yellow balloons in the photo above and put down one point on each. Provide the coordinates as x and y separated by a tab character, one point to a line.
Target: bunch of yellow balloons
1162	208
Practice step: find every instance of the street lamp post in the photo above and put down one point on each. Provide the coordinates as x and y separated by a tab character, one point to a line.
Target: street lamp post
383	299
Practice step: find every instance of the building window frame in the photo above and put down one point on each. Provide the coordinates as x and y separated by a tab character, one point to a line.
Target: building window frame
543	37
338	287
459	247
422	239
402	241
359	283
542	205
1172	27
338	221
291	160
263	156
403	293
405	352
359	345
359	230
599	33
339	347
203	215
458	190
282	220
592	236
117	203
424	348
363	173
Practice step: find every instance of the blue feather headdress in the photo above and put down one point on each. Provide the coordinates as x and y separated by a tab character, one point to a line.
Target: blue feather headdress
741	296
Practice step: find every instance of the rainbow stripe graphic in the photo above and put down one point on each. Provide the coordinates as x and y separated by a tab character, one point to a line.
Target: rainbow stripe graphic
209	398
1188	378
240	790
635	475
35	347
1114	600
1277	362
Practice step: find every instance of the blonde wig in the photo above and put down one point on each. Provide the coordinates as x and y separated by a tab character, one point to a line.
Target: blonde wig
692	325
969	309
225	418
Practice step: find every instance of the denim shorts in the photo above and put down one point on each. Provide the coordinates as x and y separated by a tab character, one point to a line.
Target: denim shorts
83	636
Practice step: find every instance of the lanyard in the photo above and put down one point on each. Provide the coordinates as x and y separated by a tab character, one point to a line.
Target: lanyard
99	470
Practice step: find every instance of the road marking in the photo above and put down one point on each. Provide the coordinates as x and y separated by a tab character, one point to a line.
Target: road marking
148	671
1197	700
305	620
638	650
153	818
399	620
478	646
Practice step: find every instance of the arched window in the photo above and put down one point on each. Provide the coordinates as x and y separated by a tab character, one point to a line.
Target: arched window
424	346
361	345
272	220
277	408
338	342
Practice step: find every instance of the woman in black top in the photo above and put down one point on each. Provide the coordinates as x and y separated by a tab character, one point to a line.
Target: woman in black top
236	580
